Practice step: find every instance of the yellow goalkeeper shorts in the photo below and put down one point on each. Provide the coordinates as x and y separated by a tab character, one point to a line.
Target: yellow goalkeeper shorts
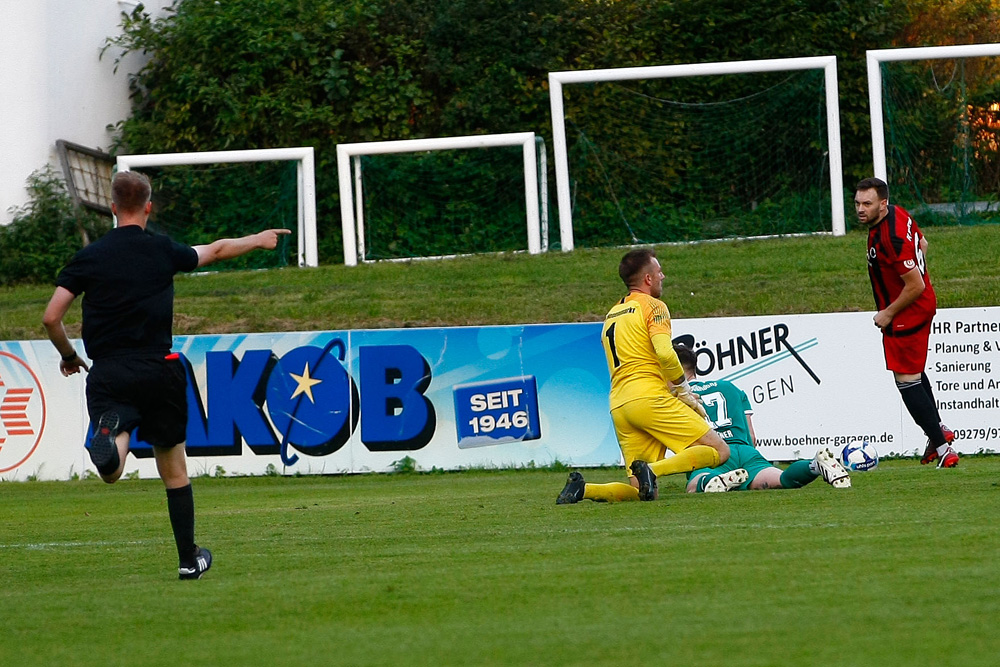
648	427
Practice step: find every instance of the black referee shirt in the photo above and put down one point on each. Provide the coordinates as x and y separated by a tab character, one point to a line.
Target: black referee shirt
127	282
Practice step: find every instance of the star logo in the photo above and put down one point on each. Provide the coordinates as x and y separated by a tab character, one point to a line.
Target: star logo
324	423
304	384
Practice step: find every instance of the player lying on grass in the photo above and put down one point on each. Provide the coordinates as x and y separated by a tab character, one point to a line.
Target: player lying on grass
729	411
127	282
652	407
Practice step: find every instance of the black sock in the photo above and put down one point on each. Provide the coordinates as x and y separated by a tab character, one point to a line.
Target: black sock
180	506
927	387
921	407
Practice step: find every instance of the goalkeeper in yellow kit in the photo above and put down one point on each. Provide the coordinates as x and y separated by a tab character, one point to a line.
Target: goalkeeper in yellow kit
652	406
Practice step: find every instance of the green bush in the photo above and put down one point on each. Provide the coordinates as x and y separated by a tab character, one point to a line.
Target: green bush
271	73
46	232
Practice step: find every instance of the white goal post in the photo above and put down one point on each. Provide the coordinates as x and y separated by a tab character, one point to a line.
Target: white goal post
558	79
351	196
875	59
308	254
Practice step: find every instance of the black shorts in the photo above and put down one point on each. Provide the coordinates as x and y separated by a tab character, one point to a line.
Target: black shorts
147	392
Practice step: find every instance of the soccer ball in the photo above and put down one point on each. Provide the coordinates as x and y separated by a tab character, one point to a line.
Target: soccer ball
859	455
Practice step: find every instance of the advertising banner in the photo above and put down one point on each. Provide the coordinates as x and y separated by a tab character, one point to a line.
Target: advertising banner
502	396
820	380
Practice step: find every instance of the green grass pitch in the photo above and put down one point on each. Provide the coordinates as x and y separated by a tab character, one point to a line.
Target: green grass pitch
482	568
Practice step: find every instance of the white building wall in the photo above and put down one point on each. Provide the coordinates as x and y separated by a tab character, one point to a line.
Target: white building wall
54	84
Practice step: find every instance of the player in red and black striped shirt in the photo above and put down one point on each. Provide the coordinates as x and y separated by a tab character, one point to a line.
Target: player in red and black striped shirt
906	305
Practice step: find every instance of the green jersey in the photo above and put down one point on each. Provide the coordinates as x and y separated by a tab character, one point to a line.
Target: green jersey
727	407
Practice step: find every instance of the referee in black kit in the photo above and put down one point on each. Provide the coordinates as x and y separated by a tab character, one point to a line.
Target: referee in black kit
127	282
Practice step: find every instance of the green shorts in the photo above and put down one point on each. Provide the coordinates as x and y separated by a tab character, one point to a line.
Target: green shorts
740	456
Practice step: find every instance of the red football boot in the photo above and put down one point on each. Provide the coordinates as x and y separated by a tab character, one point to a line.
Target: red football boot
930	452
949	460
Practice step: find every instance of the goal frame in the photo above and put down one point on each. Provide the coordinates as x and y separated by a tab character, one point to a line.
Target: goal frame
308	254
559	79
876	57
352	200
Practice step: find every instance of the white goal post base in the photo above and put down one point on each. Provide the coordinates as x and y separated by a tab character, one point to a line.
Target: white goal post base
558	79
875	59
352	210
308	254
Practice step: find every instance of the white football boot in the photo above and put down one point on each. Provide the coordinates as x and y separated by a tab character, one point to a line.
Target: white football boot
727	481
833	471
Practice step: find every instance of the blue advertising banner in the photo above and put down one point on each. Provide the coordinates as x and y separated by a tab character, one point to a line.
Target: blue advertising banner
496	411
354	401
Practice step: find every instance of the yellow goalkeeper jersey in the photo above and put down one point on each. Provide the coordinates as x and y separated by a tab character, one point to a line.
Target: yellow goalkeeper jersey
627	335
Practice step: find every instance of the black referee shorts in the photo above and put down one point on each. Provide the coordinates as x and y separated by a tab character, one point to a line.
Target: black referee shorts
148	392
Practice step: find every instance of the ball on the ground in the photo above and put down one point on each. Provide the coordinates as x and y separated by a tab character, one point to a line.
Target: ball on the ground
859	455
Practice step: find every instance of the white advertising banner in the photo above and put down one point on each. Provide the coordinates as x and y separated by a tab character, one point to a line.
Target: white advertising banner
506	396
820	380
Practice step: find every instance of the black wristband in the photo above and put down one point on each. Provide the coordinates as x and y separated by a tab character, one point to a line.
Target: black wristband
70	357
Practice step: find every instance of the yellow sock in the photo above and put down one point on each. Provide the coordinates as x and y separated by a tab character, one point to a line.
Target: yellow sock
610	492
686	460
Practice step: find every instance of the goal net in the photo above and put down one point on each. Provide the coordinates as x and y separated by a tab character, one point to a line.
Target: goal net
201	197
440	197
942	137
690	152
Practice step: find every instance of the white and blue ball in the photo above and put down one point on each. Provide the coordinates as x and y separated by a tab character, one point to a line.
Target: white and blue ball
859	455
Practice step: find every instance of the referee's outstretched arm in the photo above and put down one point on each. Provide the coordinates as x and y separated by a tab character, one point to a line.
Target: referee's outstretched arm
230	248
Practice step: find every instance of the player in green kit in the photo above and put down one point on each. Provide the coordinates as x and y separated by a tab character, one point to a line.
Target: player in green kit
729	411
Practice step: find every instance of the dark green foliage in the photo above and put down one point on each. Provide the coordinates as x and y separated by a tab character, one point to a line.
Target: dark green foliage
270	73
45	233
461	201
941	125
198	204
652	161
